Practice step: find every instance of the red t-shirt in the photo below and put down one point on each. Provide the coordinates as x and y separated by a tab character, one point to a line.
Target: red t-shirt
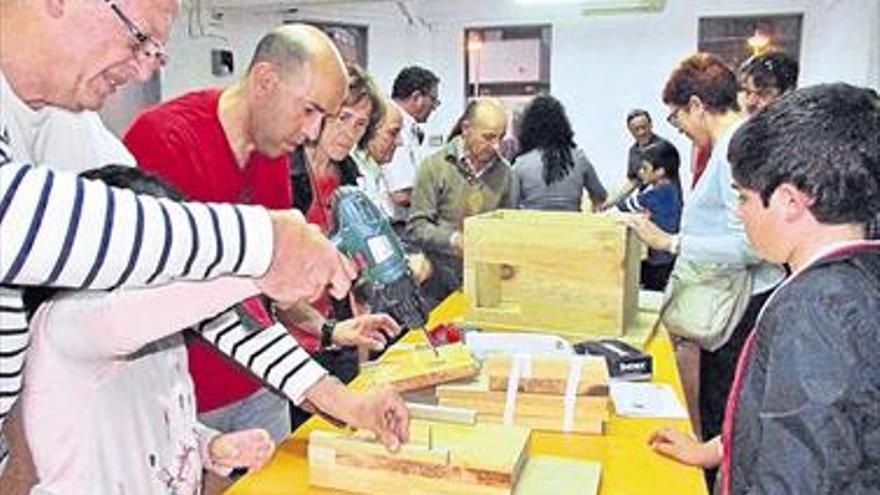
182	142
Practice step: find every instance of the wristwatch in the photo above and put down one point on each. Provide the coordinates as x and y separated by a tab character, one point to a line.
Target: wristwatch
327	333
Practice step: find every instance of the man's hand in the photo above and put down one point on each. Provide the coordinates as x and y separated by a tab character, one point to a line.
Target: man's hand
304	262
381	411
250	449
366	331
456	242
420	266
648	232
685	448
384	412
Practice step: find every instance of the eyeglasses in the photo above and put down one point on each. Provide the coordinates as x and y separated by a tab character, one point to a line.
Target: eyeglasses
435	100
672	118
146	48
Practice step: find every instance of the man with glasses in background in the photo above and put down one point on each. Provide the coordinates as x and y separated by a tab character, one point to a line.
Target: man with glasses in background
764	78
62	231
415	92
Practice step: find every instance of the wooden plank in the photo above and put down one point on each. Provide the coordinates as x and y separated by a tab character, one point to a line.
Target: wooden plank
559	476
476	395
549	374
440	458
418	368
536	411
563	272
442	413
586	425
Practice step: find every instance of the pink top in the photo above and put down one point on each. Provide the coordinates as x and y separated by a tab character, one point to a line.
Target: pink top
103	411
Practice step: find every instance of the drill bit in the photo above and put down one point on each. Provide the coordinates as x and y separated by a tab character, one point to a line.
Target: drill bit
430	343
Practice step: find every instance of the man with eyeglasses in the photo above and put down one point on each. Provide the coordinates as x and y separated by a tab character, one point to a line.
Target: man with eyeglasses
63	231
415	92
764	78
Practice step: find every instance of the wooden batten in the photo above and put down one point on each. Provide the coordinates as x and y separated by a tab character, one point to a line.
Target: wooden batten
439	459
531	410
548	374
567	273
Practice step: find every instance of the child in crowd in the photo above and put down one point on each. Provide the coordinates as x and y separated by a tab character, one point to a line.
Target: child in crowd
108	405
661	199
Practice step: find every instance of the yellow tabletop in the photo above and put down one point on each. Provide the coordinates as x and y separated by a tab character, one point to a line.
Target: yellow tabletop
629	466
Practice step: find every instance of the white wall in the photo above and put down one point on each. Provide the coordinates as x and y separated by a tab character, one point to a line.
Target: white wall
601	67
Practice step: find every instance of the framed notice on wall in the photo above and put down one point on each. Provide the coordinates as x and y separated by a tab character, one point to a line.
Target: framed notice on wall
350	39
509	62
736	38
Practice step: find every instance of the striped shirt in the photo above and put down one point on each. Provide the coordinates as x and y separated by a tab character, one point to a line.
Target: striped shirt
58	229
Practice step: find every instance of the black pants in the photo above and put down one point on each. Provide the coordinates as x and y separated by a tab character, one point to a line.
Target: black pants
716	373
654	277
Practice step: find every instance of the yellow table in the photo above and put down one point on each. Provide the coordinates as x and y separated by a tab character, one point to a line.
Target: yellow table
629	466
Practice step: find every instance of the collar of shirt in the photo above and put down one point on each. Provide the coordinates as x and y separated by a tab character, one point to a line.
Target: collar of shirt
458	156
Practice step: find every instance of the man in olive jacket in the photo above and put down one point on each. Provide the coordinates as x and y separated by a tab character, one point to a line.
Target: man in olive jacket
465	177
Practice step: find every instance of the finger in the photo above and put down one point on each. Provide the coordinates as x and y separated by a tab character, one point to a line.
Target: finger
401	417
380	338
387	324
666	449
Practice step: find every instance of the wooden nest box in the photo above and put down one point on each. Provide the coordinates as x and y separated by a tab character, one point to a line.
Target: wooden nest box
567	273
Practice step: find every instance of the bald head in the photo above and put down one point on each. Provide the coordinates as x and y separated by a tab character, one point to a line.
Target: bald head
296	78
482	128
291	46
385	139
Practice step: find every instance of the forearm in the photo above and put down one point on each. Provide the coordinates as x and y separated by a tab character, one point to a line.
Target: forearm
330	397
304	316
120	322
60	230
431	236
271	354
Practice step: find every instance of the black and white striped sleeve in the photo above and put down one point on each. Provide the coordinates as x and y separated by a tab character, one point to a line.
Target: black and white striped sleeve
61	230
58	229
271	354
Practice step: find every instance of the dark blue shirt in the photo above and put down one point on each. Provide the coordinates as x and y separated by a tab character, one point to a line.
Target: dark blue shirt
663	203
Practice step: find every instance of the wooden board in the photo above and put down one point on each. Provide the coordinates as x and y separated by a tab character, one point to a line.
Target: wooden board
417	367
567	273
548	374
535	411
440	459
554	475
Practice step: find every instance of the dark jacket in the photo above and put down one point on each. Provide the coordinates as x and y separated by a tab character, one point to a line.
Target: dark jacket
807	417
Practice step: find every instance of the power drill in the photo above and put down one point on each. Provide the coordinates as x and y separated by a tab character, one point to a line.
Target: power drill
363	234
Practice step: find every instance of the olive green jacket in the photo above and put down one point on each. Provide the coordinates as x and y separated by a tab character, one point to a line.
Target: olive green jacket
446	192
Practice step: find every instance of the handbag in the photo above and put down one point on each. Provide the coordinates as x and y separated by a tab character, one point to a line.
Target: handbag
704	301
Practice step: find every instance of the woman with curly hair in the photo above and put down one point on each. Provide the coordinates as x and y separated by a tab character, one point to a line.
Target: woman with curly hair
551	172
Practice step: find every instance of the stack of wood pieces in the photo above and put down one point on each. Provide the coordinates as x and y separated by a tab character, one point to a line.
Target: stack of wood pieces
439	459
554	393
409	368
